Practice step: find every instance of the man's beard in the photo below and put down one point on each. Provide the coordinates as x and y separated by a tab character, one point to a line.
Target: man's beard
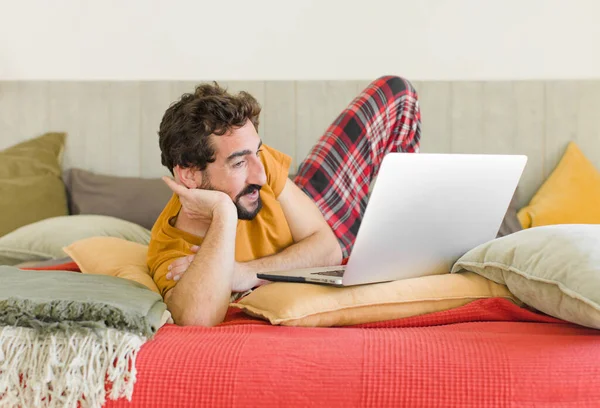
243	213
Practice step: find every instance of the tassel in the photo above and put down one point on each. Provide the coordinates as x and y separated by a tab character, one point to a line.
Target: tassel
61	369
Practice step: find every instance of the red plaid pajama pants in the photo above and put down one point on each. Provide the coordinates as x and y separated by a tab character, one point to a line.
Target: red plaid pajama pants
337	172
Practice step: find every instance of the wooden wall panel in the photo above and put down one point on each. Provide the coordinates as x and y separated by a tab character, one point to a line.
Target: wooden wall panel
155	98
467	118
112	126
32	110
124	128
94	128
311	116
435	99
561	112
10	126
278	127
361	86
499	118
588	120
318	104
63	114
529	116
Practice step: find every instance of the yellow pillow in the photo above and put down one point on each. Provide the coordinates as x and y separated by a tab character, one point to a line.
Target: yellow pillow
570	195
303	304
112	256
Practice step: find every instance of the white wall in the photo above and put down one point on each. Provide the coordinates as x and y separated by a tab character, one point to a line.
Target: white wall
301	39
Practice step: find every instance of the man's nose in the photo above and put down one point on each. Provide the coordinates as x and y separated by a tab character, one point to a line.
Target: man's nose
257	174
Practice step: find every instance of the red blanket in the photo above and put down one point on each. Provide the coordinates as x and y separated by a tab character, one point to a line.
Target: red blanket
68	266
487	353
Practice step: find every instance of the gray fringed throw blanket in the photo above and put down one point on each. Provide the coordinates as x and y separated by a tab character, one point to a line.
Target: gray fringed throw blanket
65	336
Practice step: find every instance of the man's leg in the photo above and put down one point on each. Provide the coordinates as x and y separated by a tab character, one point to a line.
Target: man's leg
337	172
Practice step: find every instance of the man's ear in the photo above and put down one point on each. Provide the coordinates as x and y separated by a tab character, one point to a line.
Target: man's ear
188	176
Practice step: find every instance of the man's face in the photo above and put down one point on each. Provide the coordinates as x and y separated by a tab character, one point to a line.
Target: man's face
238	170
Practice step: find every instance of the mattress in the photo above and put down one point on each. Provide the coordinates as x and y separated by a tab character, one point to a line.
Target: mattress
489	353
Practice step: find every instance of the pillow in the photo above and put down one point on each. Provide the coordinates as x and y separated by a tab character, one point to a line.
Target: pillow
112	256
303	304
45	239
31	188
570	195
138	200
554	269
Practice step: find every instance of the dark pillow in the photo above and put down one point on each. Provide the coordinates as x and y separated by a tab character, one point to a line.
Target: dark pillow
134	199
511	223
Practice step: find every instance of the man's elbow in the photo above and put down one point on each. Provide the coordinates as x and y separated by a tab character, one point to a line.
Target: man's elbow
186	316
202	321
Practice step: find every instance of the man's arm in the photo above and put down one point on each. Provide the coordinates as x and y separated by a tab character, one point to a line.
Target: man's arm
315	243
202	295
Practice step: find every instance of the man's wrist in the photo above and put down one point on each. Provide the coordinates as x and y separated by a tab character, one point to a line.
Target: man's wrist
244	277
225	212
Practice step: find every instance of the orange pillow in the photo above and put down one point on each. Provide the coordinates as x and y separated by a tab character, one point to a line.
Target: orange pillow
112	256
570	195
310	305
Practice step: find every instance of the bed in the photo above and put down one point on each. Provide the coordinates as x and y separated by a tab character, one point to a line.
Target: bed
489	352
486	353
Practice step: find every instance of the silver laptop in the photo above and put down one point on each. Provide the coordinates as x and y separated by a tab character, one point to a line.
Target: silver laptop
424	212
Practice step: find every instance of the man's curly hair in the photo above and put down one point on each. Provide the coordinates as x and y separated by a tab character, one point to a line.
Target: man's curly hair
187	124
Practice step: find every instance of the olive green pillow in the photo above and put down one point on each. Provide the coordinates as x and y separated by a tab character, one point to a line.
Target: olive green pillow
31	187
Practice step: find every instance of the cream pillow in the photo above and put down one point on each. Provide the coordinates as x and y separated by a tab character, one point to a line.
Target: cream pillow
45	239
303	304
112	256
555	269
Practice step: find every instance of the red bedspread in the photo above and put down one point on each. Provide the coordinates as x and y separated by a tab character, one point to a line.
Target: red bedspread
488	353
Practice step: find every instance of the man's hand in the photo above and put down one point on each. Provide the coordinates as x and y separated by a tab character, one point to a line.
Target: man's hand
200	204
243	277
180	265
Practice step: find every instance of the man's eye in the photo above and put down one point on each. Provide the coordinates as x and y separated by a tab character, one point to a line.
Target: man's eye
238	164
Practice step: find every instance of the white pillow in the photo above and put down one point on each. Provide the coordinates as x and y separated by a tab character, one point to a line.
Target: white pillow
45	239
554	269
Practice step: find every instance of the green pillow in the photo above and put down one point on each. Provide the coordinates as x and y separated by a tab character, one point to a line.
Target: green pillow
31	187
554	269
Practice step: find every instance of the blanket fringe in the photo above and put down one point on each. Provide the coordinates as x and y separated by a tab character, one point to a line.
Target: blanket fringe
63	369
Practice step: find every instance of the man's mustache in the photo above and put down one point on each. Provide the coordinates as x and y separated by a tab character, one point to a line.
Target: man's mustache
250	188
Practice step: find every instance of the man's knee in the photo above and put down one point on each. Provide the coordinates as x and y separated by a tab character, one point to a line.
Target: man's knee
395	84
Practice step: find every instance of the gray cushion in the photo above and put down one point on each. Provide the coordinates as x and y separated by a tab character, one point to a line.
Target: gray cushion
134	199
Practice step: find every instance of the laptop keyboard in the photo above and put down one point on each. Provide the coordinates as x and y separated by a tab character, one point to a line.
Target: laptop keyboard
338	273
